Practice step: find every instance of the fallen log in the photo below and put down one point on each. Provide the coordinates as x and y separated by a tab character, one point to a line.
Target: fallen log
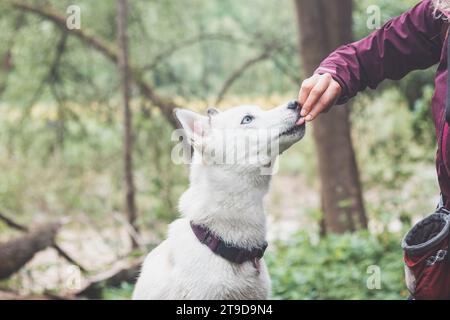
122	272
15	253
13	224
12	295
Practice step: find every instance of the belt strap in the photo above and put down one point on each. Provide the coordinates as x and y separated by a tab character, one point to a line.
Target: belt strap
447	102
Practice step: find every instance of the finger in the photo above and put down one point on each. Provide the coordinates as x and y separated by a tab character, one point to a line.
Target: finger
300	121
306	88
325	102
328	98
315	94
338	91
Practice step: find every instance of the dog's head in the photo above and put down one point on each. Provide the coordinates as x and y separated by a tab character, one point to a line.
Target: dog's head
244	136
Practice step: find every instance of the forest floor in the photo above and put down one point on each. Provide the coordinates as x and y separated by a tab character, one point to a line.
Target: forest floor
97	248
291	208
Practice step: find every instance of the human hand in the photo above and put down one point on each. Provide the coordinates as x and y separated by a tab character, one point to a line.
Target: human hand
317	94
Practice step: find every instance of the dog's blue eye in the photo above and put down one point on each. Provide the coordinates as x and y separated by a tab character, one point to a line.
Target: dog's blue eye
247	119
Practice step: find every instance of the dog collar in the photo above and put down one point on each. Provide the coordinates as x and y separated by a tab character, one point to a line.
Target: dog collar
225	250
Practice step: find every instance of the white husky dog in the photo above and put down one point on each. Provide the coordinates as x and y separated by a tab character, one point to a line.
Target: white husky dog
223	207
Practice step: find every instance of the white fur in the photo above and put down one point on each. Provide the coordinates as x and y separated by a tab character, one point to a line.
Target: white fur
228	199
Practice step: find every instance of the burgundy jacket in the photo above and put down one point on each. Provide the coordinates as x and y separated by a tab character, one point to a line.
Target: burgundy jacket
414	40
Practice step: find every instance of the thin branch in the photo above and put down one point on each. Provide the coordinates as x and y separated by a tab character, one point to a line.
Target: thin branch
294	77
235	75
12	224
60	21
51	76
187	43
107	49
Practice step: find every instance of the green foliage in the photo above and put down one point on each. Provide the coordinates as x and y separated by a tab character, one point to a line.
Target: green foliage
387	9
413	87
82	174
423	129
336	267
123	292
186	51
333	267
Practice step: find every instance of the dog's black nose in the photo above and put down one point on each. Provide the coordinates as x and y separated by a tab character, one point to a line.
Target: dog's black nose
293	105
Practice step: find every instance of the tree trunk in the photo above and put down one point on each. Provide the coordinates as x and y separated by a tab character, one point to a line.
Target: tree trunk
15	253
323	26
124	70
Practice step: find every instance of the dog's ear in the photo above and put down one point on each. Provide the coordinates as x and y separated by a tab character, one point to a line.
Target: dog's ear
212	112
195	125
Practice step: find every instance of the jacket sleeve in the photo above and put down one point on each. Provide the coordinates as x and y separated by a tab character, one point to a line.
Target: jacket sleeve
409	42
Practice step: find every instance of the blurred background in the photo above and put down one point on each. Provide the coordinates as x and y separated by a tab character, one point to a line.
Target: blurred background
87	186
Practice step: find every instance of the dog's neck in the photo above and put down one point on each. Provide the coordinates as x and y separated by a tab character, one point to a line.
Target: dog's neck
229	202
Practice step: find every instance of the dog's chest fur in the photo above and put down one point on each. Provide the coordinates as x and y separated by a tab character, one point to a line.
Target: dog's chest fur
183	268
